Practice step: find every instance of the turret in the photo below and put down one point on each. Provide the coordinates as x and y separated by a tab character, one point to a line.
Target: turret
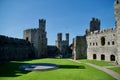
117	13
94	24
59	36
42	24
67	37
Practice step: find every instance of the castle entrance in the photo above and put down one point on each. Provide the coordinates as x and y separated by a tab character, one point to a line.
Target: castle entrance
102	57
112	57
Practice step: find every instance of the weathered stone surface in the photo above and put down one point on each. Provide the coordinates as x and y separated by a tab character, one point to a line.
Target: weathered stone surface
101	44
15	49
38	38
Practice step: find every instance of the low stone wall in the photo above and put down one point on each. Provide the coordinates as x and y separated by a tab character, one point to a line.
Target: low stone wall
15	49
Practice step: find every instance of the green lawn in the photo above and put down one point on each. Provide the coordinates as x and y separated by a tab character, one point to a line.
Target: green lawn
116	69
68	71
99	63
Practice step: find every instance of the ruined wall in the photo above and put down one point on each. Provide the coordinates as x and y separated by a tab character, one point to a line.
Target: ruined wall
38	38
102	43
15	49
52	51
63	45
79	47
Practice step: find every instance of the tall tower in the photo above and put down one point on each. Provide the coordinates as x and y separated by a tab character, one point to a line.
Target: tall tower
42	39
59	40
117	13
42	24
94	24
117	21
59	36
67	38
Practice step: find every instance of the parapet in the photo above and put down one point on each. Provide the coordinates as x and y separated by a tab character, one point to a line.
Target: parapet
30	30
109	30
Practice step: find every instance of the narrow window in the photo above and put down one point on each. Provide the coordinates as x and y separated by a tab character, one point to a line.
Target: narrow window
113	43
108	43
93	44
90	44
102	41
96	43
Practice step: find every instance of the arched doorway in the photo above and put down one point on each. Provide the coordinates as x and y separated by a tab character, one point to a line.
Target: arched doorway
94	56
102	57
112	57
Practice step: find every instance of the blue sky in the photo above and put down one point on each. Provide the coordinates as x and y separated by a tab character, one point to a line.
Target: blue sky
65	16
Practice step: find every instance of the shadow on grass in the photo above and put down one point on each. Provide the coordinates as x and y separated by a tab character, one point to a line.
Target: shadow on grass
11	69
71	66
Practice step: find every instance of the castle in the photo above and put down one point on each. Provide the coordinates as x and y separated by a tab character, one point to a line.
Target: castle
37	37
100	44
96	44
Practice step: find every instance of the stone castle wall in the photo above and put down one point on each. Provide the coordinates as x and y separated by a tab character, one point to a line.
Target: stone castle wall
15	49
38	38
79	48
102	43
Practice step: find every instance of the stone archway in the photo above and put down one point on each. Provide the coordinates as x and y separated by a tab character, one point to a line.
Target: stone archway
112	58
94	56
102	57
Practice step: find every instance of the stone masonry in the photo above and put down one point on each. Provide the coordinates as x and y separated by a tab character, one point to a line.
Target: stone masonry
101	44
38	38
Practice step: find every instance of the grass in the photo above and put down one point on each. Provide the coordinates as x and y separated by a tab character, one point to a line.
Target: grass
99	63
67	70
116	69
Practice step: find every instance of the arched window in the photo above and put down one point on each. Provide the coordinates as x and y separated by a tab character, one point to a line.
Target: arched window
102	57
113	43
90	43
93	44
108	43
102	41
94	56
112	57
96	43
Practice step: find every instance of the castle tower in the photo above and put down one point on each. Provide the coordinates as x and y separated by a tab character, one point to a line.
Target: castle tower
117	21
117	13
42	24
59	36
59	39
94	24
67	38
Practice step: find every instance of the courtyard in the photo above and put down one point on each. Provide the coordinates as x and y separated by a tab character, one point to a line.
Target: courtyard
68	70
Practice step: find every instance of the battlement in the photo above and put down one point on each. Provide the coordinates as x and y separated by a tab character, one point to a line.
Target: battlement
14	41
94	24
31	30
109	30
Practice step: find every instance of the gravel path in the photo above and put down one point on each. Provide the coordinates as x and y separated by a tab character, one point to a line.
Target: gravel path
104	68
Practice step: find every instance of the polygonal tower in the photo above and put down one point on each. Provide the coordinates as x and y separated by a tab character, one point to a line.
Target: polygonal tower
67	38
42	24
117	21
94	24
42	40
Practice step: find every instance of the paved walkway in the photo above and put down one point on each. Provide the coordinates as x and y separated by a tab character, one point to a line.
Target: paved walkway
104	68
